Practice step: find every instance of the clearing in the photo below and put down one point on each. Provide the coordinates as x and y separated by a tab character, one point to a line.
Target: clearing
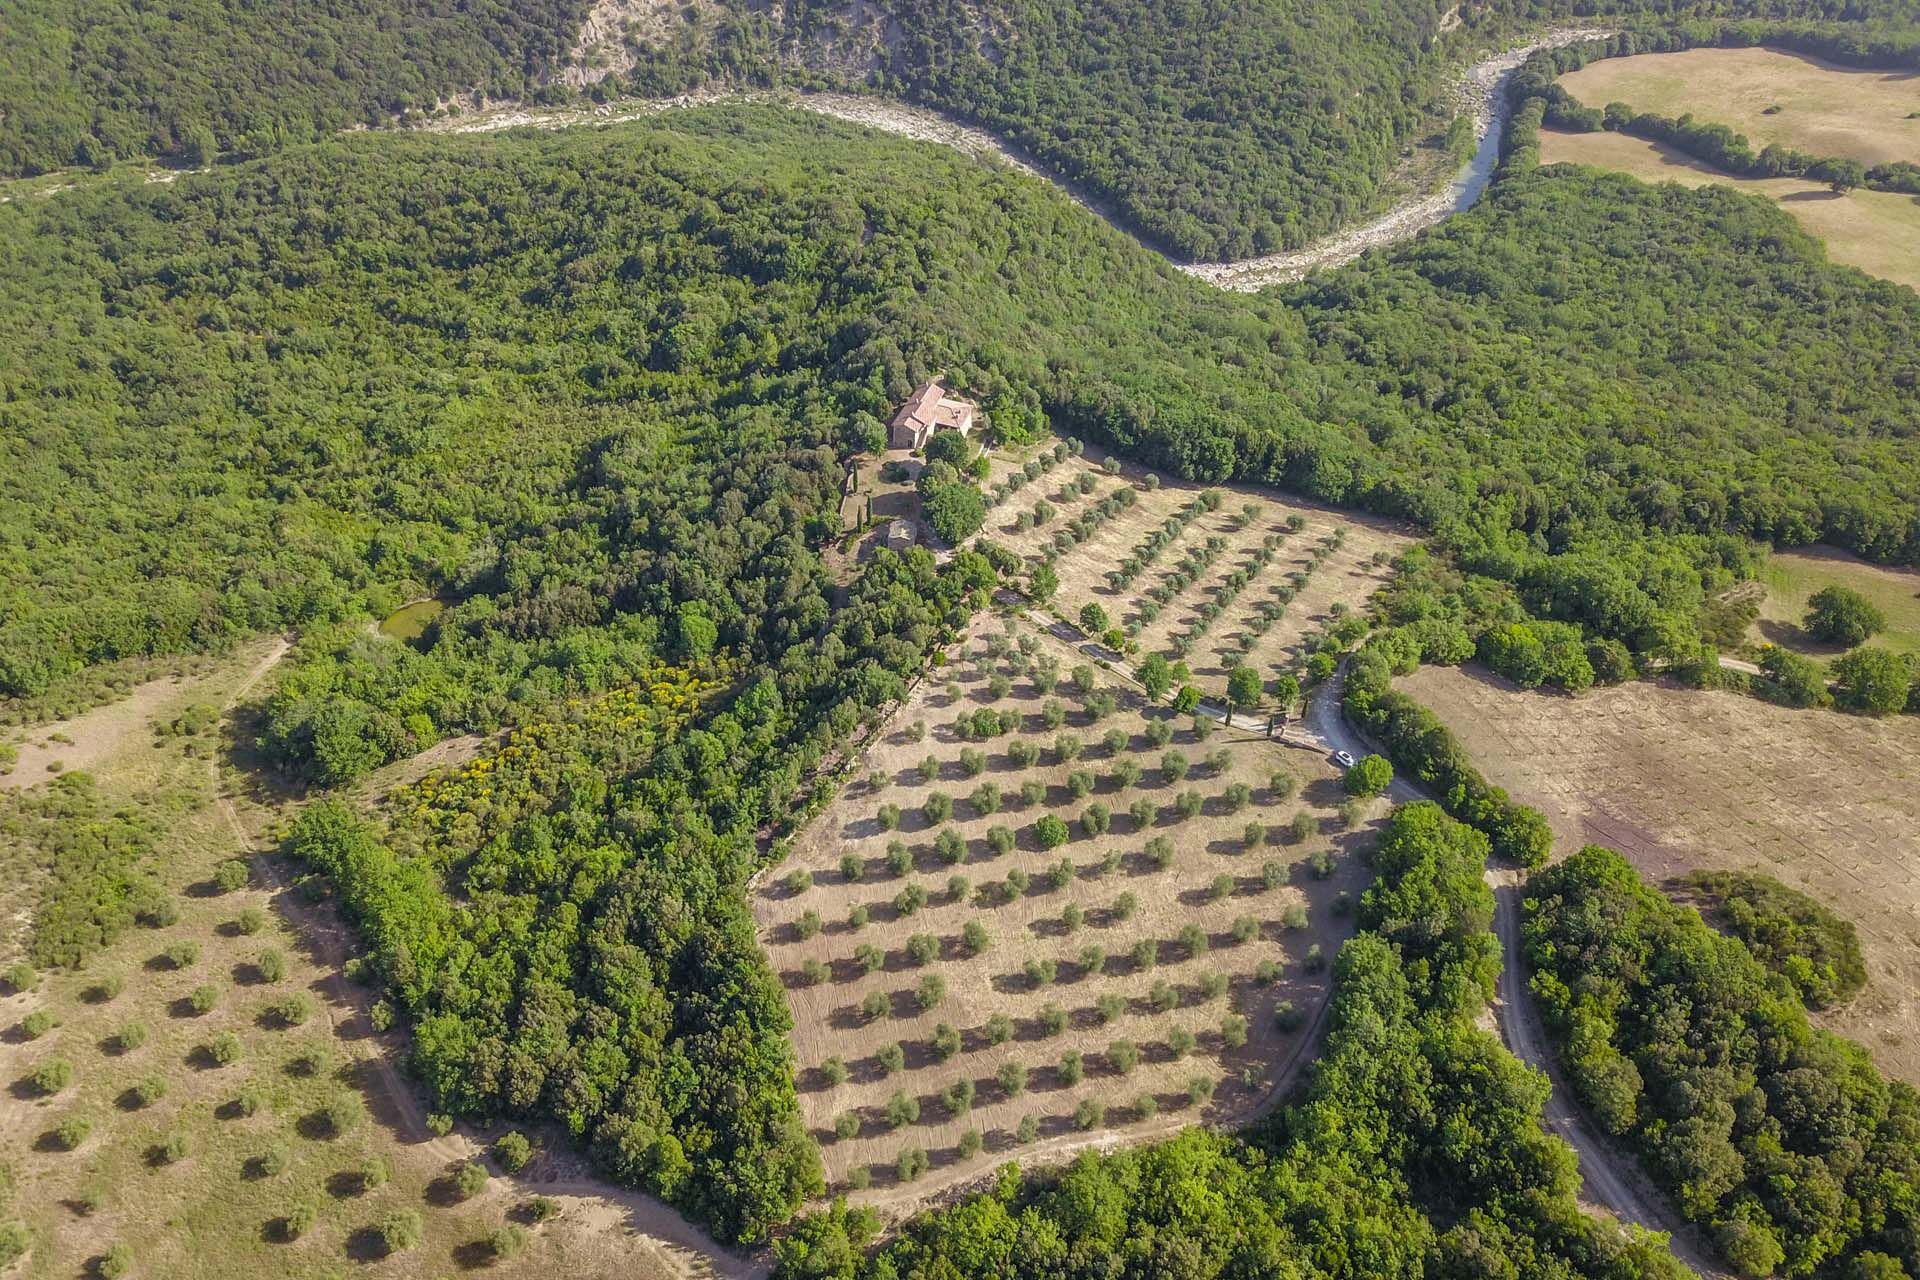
1251	578
1680	781
204	1049
1792	578
1201	879
1770	95
1876	231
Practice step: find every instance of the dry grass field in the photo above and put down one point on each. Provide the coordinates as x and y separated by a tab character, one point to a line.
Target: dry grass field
202	1056
1876	231
1679	781
964	988
1246	581
1770	95
1792	578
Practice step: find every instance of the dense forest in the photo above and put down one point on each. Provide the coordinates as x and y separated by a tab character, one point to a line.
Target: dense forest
564	922
1414	1151
1782	1140
384	366
84	82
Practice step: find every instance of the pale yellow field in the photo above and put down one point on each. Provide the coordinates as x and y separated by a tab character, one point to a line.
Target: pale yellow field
1680	781
1822	108
1876	231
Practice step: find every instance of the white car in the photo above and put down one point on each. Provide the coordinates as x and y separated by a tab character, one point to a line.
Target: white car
1344	759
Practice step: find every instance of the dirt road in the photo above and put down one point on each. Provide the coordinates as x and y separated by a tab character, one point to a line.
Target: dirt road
1609	1179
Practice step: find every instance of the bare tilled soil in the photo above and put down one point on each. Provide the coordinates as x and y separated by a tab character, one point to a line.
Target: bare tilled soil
1679	780
856	984
1273	540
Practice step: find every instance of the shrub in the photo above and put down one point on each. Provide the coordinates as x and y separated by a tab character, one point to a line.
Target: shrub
938	807
51	1077
1200	1090
892	1058
1245	929
1174	766
1053	1019
470	1179
1213	985
300	1219
999	1029
912	1163
1124	906
1233	1031
250	921
1032	792
875	1005
291	1010
857	916
852	867
1320	863
957	1098
1072	917
1146	953
439	1123
903	1109
106	988
985	800
931	990
18	977
1090	1114
946	1042
969	1144
1012	1078
910	899
249	1100
1029	1130
231	875
1050	831
1060	874
399	1230
1272	874
973	936
1222	887
1039	972
224	1048
1370	777
1017	883
1000	840
71	1132
1080	784
1096	820
1160	851
1266	972
511	1151
1072	1068
1302	826
174	1148
1194	940
949	846
506	1240
271	965
116	1262
374	1174
182	954
341	1114
1189	803
889	817
203	998
1840	615
1022	753
36	1024
1314	961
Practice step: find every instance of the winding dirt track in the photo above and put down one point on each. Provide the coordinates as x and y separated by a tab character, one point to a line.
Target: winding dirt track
1481	93
1610	1181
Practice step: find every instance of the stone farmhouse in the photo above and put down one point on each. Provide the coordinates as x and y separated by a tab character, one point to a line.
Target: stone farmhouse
928	410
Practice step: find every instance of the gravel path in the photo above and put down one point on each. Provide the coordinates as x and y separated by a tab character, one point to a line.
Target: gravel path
1610	1180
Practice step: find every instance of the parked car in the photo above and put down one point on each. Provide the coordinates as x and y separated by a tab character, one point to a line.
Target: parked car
1344	759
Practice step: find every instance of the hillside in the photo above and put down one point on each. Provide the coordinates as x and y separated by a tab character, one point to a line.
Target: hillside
83	82
383	365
